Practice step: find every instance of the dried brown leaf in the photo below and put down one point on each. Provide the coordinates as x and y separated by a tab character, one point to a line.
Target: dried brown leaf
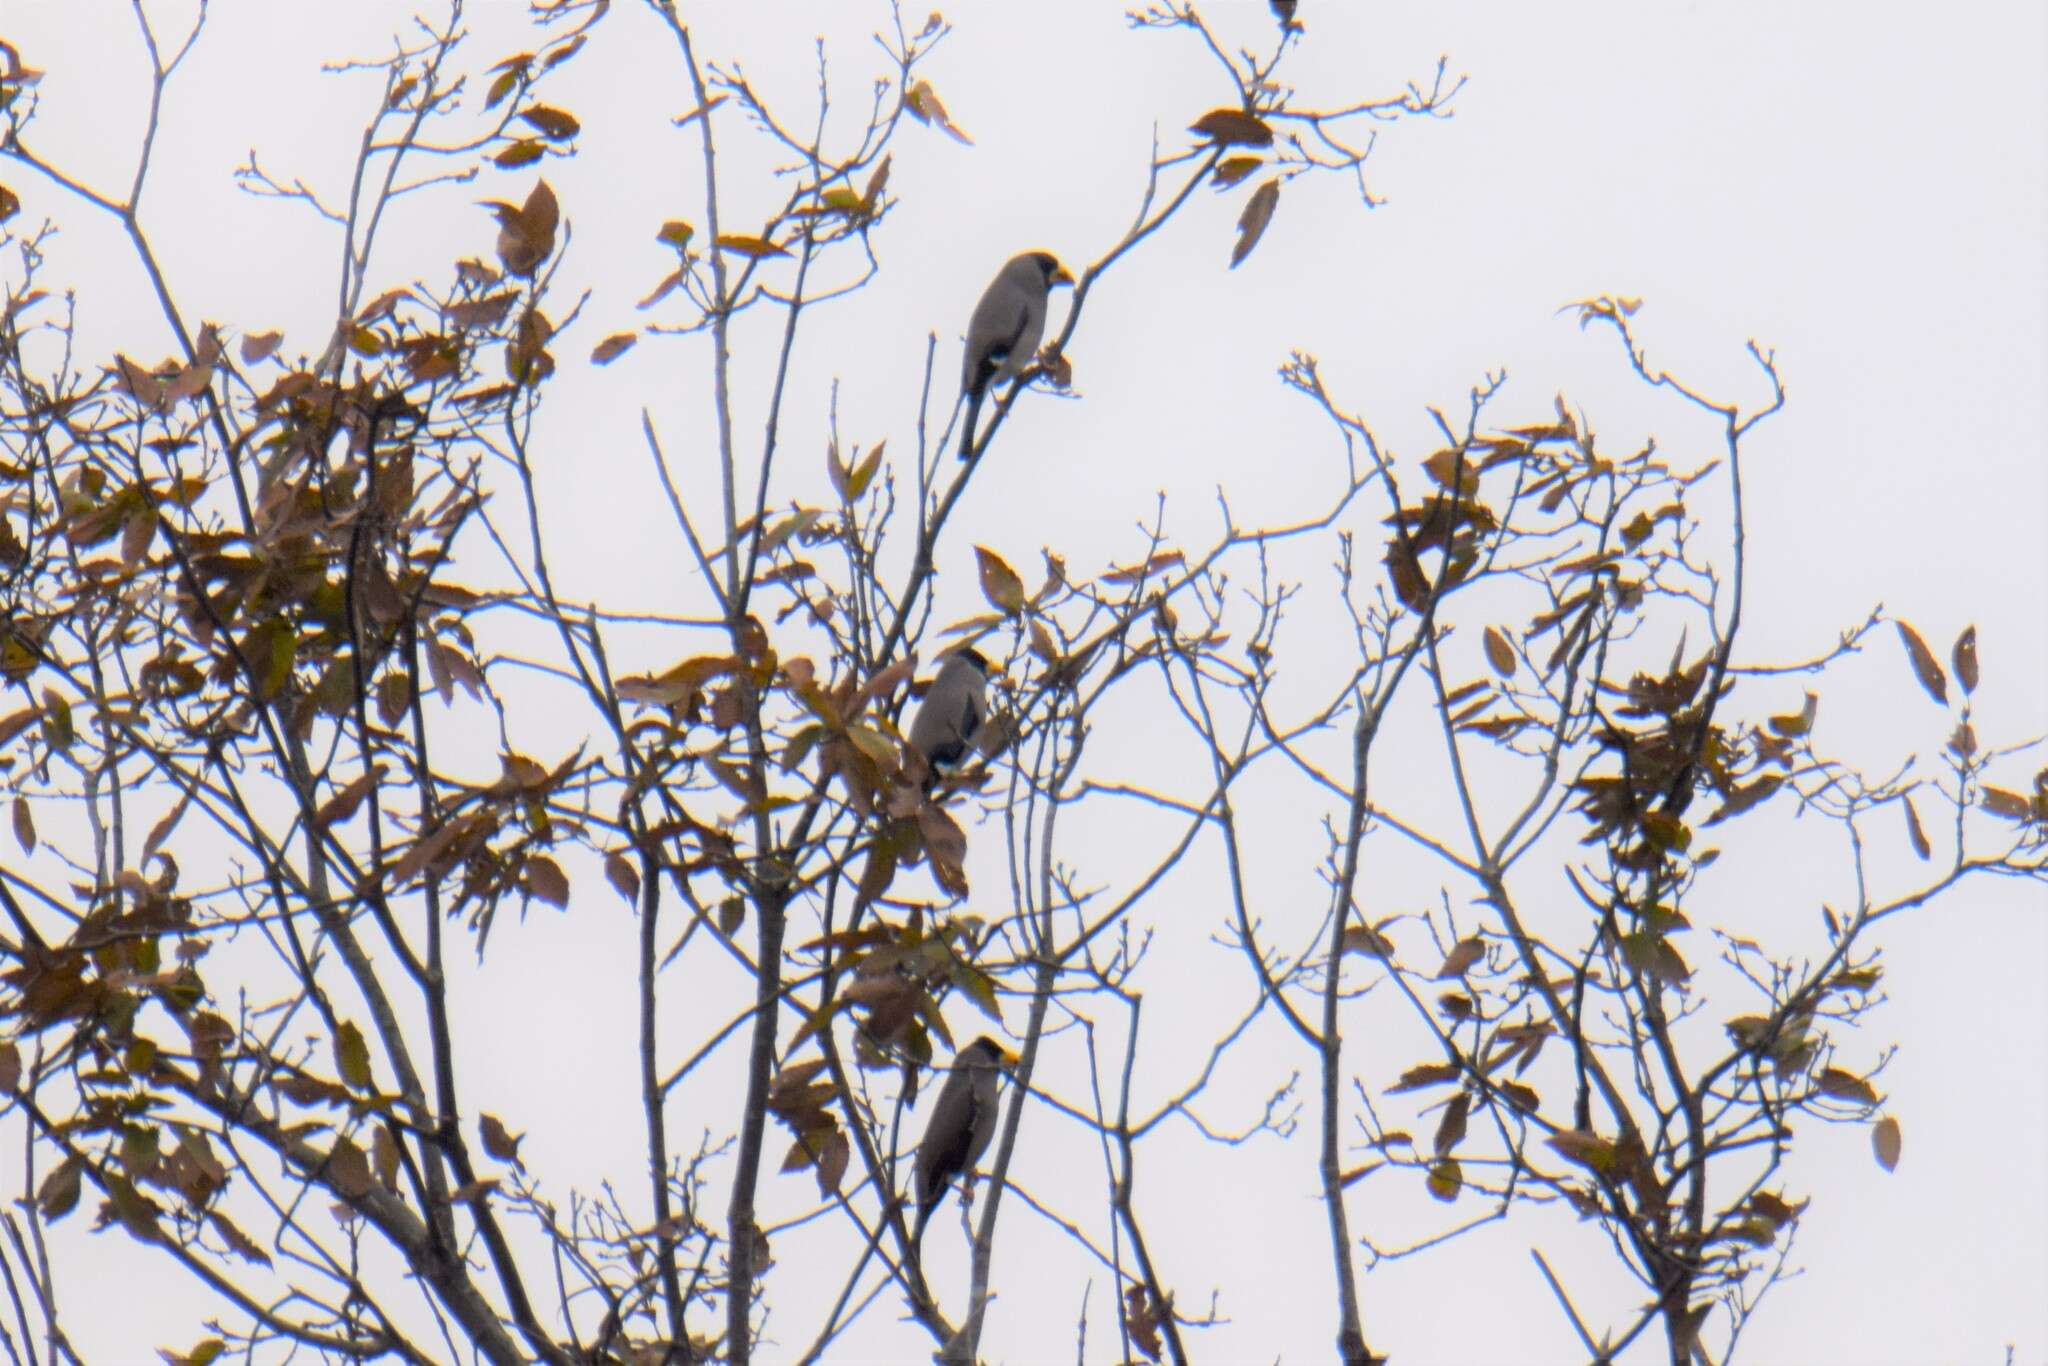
1251	224
1929	672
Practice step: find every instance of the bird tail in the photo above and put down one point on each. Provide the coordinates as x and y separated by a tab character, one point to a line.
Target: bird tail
924	1216
967	429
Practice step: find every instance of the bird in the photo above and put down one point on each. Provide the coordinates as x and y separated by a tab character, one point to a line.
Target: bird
1003	333
951	715
962	1123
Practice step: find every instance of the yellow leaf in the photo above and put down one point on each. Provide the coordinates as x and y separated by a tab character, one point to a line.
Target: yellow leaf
352	1056
754	248
999	583
1233	169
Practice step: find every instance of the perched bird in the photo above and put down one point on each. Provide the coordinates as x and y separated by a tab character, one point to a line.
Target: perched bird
953	709
962	1123
1004	332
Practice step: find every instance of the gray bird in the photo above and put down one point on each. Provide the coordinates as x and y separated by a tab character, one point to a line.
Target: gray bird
962	1123
951	714
1004	333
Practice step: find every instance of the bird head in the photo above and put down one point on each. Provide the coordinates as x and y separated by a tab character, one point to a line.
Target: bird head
974	657
986	1052
1049	265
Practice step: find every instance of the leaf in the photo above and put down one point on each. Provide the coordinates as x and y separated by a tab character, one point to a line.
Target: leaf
522	152
1833	1081
1885	1140
1233	128
999	583
2010	805
1499	653
239	1243
10	203
1446	1179
753	248
1251	224
1138	573
343	804
352	1056
1523	1098
526	234
623	876
676	233
1425	1074
1964	658
864	473
1462	956
1450	1130
384	1157
202	1354
1799	724
24	826
498	1142
545	881
1913	830
1452	469
833	1154
556	125
349	1169
1233	169
922	103
1962	741
1929	672
10	1067
1368	940
58	1194
1041	643
612	347
1585	1149
871	196
500	88
260	346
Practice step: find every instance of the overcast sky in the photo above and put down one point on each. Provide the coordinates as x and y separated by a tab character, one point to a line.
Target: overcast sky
1861	187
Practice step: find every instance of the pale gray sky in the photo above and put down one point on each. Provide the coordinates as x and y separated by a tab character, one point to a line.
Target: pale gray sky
1863	187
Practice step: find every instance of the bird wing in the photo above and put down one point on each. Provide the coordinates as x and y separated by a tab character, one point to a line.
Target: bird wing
948	1143
997	345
